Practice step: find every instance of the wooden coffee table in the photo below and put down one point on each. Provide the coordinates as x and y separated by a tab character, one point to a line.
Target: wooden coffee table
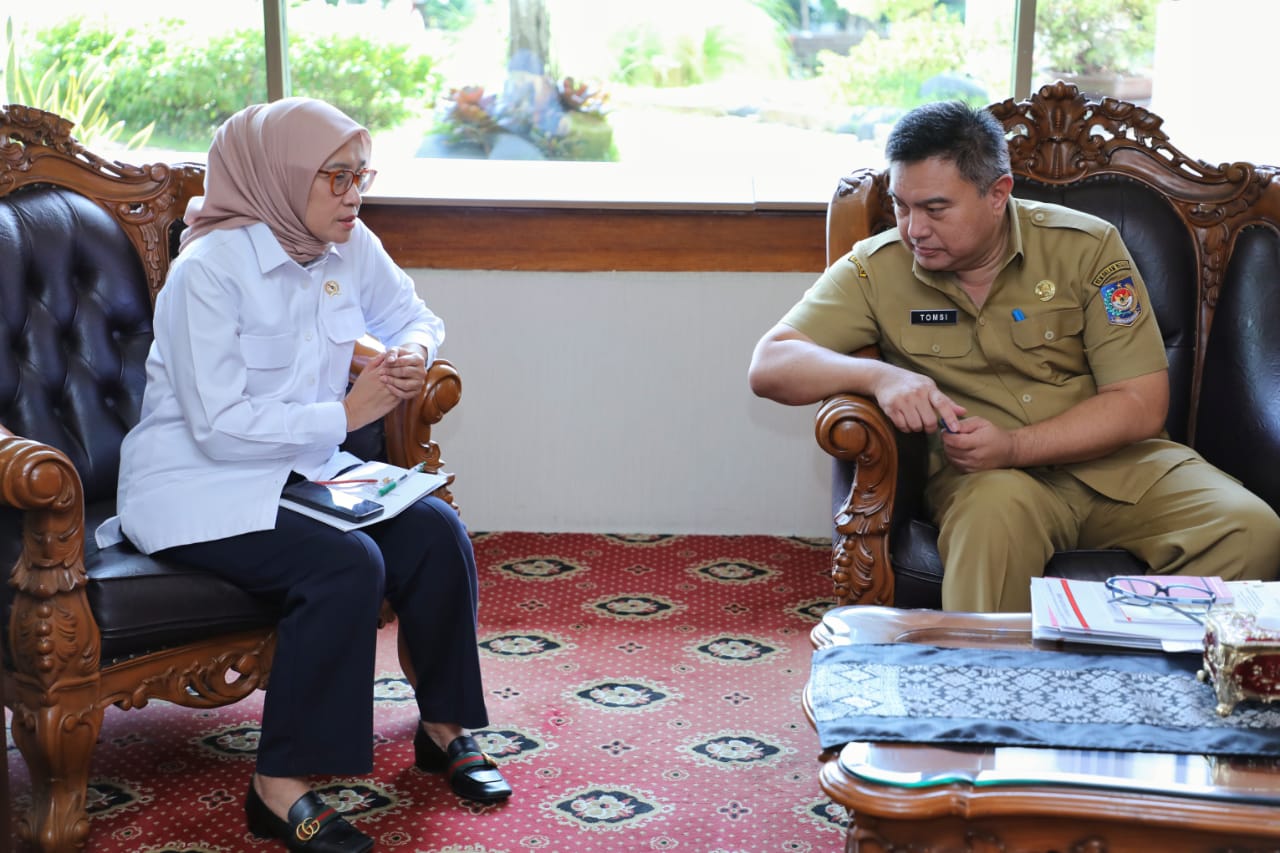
925	799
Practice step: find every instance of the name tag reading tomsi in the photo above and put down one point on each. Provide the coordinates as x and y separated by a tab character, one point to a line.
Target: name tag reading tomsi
941	317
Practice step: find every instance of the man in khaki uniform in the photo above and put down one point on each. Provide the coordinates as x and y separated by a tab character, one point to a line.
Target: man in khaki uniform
1020	337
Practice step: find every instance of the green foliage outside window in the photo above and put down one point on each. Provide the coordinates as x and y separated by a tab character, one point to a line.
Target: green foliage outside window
189	83
76	95
1095	36
650	57
669	43
889	10
892	70
546	113
445	14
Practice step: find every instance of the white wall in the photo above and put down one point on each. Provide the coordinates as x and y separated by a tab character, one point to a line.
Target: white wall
1214	78
618	403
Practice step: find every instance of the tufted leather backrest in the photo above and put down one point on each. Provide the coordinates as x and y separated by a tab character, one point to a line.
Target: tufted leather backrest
86	245
1161	246
75	325
1238	422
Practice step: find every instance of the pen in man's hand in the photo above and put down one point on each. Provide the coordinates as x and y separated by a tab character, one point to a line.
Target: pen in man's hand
386	487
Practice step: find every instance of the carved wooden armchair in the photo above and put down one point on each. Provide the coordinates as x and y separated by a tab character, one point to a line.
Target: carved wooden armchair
1206	241
86	245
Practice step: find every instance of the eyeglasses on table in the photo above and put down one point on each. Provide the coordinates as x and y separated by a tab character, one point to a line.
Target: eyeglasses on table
1190	600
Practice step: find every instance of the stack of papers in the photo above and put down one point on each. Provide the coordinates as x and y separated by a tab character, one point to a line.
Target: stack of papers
1084	612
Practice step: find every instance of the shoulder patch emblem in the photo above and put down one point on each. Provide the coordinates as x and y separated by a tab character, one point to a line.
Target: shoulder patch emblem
1121	301
862	273
1111	270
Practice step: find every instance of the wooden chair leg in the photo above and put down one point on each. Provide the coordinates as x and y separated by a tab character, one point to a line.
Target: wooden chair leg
57	742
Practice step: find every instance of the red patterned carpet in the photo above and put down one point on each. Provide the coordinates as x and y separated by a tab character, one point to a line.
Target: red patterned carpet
644	695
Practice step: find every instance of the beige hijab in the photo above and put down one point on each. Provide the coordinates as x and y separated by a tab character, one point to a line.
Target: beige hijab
262	165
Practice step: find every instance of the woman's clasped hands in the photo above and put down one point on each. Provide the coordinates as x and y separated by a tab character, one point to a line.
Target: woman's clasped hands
391	376
404	371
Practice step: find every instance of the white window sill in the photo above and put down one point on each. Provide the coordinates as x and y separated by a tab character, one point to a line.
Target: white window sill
558	184
561	184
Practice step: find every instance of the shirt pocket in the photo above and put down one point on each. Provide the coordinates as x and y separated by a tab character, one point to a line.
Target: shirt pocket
269	361
926	342
341	327
1052	344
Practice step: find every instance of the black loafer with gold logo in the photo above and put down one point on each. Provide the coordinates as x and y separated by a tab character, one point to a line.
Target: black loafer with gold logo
311	826
472	774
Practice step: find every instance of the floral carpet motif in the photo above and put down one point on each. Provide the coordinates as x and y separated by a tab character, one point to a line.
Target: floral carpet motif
644	695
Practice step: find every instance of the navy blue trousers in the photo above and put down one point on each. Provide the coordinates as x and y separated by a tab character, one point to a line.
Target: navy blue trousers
317	717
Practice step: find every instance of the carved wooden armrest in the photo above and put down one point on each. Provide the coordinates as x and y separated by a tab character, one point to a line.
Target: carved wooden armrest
852	428
52	633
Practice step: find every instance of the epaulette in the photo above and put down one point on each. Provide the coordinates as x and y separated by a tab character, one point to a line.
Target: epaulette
1056	216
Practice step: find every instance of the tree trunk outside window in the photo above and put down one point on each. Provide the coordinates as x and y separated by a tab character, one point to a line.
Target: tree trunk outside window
530	45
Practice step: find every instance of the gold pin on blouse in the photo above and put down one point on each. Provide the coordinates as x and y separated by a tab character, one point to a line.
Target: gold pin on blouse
332	288
1045	290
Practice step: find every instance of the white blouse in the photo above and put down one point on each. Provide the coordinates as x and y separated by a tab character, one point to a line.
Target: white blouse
245	380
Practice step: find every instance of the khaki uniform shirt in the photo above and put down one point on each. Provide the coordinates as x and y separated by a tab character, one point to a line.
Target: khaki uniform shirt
1068	312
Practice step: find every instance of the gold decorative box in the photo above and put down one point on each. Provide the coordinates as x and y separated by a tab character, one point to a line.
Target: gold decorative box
1241	657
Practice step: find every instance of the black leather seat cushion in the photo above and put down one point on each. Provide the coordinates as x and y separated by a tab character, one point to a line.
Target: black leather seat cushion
143	604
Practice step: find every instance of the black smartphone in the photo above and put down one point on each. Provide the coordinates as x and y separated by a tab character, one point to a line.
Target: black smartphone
333	501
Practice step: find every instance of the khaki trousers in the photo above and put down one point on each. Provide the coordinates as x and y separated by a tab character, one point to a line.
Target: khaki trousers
998	529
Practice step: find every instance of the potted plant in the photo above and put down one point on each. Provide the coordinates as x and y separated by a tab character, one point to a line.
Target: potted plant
534	118
1103	46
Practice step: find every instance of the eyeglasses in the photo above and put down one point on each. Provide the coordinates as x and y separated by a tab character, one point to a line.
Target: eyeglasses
1187	599
340	180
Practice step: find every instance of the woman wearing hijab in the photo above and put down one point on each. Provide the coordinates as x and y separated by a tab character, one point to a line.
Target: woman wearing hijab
246	388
